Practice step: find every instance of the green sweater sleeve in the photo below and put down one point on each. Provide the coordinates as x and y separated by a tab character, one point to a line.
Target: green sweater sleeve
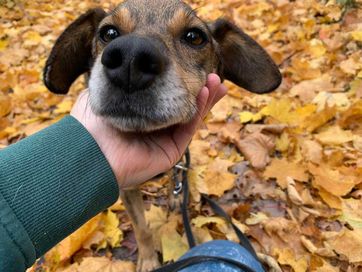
50	184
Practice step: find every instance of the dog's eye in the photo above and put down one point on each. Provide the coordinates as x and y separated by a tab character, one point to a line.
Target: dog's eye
108	33
195	37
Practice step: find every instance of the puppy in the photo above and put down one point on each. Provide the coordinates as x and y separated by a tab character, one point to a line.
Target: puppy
147	60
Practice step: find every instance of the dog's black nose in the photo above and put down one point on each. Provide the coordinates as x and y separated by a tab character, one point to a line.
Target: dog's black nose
133	63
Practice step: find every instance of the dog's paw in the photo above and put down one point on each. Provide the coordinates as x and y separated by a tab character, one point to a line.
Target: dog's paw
147	265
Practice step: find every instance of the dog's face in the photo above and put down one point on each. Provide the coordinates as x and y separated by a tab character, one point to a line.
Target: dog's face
148	59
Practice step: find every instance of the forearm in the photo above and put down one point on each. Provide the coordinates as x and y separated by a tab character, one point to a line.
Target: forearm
53	182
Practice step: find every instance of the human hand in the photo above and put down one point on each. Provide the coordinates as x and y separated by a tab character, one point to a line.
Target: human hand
135	158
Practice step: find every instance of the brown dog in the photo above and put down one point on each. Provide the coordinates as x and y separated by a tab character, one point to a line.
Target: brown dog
147	61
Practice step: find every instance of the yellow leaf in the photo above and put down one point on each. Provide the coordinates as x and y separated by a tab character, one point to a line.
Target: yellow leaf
352	115
256	218
156	217
173	246
3	44
216	179
334	136
64	107
318	119
316	48
221	224
357	36
100	264
246	116
352	212
333	201
5	105
279	110
282	143
332	180
349	244
200	221
290	169
112	233
287	257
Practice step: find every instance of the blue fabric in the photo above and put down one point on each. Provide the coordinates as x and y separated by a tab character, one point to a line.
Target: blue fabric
225	249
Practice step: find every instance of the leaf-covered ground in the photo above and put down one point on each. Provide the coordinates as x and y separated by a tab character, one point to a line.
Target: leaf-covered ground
286	166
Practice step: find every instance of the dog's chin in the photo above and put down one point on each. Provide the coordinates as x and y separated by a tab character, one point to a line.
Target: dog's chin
132	121
138	124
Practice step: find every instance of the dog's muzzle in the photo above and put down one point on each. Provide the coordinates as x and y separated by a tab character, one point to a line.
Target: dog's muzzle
133	63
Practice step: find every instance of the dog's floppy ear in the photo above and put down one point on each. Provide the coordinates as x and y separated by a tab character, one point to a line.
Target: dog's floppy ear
71	55
243	60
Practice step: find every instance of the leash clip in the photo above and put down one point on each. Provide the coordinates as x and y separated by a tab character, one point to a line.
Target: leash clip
178	183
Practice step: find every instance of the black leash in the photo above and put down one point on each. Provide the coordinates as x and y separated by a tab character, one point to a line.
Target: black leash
184	186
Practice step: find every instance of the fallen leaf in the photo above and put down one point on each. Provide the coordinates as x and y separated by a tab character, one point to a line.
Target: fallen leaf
334	135
319	119
332	201
173	246
348	244
293	194
256	148
290	169
351	116
217	179
112	233
5	105
352	212
332	180
312	151
156	217
101	264
287	257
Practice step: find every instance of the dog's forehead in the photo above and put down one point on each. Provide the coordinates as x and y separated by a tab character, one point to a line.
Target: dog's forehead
153	12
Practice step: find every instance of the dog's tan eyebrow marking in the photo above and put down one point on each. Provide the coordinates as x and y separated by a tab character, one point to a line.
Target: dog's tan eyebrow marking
123	18
180	19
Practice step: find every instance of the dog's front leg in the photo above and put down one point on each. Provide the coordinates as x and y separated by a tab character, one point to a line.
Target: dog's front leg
147	256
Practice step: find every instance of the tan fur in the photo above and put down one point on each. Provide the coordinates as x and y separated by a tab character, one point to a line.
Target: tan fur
123	18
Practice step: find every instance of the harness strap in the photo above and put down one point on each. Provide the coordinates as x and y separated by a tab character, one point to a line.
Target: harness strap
176	266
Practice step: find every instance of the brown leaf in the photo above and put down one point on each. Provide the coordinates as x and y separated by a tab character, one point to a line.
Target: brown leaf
256	148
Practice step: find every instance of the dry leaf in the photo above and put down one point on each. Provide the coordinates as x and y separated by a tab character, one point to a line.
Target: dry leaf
101	264
334	136
352	212
348	244
332	180
173	246
5	105
281	169
256	148
287	257
216	179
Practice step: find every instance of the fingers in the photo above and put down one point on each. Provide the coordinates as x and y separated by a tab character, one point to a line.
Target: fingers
207	98
217	91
